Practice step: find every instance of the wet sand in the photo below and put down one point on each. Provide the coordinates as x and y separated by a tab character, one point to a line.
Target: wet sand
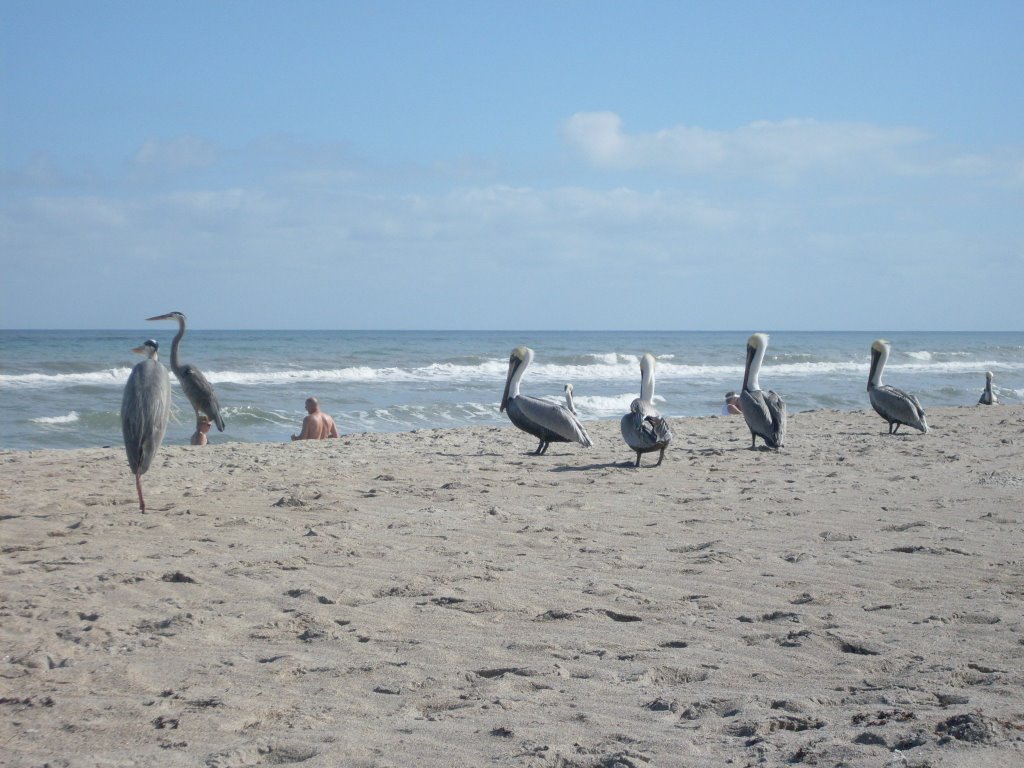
444	598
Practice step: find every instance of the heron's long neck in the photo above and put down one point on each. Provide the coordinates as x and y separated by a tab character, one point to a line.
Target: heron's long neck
568	400
877	364
753	370
175	365
647	386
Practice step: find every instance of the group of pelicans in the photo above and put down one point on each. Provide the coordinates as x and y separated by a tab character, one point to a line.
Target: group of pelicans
645	430
145	405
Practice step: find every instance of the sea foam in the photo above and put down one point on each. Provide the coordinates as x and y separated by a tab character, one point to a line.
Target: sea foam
67	418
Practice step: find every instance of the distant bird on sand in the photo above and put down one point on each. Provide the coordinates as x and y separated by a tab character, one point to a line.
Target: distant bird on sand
549	422
145	406
765	413
894	405
988	397
194	384
568	399
643	428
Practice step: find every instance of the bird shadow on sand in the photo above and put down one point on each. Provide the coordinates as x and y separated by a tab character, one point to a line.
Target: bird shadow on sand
591	467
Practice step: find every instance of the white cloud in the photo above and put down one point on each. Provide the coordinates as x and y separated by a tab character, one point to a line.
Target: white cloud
184	153
781	151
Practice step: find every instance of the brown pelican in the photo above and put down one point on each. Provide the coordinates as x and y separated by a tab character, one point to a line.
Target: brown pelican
568	399
643	428
145	406
893	405
988	397
765	414
549	422
193	383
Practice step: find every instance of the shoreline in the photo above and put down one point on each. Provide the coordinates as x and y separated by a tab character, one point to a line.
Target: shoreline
220	441
442	597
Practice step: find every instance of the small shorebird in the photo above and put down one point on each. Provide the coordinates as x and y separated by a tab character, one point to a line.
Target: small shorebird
988	397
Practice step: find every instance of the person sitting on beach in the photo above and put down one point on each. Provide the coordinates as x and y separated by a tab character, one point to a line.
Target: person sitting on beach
202	427
317	425
732	404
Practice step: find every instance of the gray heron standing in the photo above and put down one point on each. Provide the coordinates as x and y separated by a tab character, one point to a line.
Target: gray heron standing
194	384
764	412
145	406
549	422
892	404
643	428
988	397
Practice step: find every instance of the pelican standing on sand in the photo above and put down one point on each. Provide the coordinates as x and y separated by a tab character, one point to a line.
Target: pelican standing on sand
894	405
194	384
765	413
145	406
988	397
549	422
643	428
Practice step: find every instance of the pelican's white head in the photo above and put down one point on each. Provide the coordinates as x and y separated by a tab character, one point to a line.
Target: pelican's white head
758	341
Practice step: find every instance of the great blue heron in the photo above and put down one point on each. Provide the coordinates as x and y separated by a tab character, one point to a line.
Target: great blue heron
643	428
549	422
145	406
194	384
894	405
764	412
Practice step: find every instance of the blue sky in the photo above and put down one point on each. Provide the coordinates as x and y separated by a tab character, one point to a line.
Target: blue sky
562	165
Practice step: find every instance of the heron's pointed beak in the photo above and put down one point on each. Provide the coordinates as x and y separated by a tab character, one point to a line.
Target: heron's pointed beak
160	317
139	350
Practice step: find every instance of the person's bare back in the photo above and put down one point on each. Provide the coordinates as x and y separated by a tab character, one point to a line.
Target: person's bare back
317	425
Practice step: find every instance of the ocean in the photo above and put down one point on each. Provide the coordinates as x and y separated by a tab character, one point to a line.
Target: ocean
62	389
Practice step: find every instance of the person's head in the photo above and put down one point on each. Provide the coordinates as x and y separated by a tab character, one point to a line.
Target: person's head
204	424
731	397
312	405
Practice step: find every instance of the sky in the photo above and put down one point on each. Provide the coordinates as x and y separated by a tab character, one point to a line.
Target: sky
513	165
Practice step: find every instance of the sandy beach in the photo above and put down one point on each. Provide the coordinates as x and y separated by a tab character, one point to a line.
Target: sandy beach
443	598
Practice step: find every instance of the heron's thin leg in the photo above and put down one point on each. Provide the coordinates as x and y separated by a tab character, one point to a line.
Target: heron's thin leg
138	487
661	458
